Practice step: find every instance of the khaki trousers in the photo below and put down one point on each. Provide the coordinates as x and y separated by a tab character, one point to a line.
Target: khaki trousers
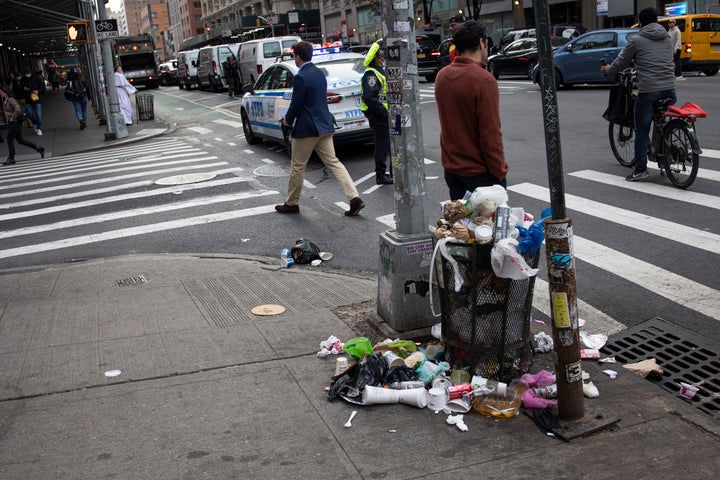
302	148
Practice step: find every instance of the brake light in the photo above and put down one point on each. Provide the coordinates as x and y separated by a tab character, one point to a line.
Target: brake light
214	65
334	98
523	59
688	48
435	53
259	68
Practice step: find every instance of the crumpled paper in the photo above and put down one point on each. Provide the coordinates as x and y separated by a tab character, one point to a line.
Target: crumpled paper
544	343
646	368
331	346
457	420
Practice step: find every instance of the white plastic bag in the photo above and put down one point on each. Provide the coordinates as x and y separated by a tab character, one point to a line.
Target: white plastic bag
507	261
485	200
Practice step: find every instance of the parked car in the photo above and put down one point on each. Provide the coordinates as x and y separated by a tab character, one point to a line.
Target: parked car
168	73
512	36
255	56
519	57
187	69
578	61
361	49
427	57
210	71
265	103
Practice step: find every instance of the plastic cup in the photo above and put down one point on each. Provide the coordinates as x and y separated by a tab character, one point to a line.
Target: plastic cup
688	391
341	364
393	360
437	398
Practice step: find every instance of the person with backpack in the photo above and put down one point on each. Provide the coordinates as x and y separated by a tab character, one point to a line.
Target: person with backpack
14	116
79	92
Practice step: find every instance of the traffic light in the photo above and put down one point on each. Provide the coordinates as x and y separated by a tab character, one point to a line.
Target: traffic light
79	32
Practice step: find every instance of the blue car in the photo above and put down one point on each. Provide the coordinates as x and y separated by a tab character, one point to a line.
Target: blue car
578	61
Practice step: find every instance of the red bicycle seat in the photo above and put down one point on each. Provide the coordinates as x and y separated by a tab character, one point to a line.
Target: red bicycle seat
686	110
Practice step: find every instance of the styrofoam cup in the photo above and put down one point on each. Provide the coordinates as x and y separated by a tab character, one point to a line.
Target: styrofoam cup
393	360
437	398
374	395
415	397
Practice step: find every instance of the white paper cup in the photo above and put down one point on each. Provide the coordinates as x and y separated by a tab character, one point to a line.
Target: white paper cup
415	397
393	360
688	391
437	398
441	382
374	395
341	364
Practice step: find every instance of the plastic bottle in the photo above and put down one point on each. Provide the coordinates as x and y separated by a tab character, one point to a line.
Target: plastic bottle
407	385
502	215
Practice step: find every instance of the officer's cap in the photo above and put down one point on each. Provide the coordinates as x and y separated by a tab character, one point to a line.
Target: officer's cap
374	51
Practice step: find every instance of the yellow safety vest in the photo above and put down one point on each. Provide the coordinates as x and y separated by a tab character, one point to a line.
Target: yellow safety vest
383	91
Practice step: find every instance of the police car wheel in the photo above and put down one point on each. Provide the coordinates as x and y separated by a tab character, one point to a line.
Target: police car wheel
250	137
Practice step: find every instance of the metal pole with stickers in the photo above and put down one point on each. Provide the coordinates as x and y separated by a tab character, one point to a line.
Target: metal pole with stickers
405	251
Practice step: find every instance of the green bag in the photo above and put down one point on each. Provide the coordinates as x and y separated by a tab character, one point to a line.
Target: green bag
356	347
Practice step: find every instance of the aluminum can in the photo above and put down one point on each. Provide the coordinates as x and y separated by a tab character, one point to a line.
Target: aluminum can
457	391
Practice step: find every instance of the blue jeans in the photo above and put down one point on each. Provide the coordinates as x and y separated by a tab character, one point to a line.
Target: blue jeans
81	109
36	112
644	110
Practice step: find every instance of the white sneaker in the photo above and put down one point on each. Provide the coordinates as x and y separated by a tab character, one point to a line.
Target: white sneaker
680	78
38	132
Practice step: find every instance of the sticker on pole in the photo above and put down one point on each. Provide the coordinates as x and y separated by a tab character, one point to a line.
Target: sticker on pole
561	313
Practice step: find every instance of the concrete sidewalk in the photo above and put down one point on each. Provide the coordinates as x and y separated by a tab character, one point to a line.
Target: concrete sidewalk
209	390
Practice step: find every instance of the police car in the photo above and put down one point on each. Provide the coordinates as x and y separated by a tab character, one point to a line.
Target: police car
265	103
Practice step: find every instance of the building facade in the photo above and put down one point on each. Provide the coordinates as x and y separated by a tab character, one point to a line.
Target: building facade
155	21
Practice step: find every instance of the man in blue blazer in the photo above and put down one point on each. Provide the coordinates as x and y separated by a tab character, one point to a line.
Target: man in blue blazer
312	127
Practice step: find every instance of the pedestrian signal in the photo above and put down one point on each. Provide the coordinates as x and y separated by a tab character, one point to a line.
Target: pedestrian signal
79	32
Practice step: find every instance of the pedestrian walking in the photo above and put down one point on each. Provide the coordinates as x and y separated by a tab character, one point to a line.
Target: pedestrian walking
231	69
312	128
124	90
375	107
651	50
468	103
55	81
31	88
81	96
13	114
676	36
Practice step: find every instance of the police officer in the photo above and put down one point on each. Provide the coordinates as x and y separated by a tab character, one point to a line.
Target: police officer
375	107
232	73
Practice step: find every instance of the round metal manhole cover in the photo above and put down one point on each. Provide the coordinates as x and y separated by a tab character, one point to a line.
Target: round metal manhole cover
185	178
271	171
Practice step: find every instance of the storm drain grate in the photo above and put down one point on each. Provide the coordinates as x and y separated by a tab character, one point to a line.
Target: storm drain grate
683	355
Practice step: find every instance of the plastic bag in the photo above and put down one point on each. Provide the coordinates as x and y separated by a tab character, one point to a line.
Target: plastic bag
400	374
485	200
357	347
304	251
508	263
403	348
370	371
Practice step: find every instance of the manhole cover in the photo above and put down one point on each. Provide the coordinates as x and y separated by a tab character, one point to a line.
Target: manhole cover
271	171
185	178
684	356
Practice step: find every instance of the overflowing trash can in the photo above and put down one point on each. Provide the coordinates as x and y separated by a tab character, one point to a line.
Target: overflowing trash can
485	319
145	106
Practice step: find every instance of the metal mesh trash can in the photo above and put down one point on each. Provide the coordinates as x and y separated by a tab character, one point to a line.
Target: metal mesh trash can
486	323
145	107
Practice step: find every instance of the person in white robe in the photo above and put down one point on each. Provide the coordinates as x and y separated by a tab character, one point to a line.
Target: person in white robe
124	90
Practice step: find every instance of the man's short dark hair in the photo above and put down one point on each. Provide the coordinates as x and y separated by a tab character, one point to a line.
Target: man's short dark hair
467	37
647	16
304	50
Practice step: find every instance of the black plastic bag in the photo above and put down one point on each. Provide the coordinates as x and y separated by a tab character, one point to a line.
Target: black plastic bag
621	106
368	371
304	251
400	374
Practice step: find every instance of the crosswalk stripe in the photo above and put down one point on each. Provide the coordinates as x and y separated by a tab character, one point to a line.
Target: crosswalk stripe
84	170
135	212
117	198
113	179
597	321
707	152
200	130
703	173
100	191
229	123
135	231
691	236
678	289
668	192
117	151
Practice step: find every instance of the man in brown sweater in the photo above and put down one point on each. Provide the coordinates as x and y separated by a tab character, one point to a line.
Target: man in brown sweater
468	102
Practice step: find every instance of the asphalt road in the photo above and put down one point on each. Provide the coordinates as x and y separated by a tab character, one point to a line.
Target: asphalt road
642	250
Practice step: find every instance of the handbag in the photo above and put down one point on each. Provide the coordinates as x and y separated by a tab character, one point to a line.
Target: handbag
621	106
69	94
34	97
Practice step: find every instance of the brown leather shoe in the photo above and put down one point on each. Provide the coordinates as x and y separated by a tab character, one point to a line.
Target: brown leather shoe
285	208
356	204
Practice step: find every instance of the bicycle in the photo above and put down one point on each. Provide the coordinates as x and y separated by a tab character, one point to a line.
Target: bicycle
673	145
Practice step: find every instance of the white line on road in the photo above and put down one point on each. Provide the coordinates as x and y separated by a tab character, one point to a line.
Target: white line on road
668	192
229	123
135	231
135	212
710	153
114	188
200	130
662	228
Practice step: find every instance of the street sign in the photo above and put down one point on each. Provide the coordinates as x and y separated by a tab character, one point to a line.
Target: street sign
106	28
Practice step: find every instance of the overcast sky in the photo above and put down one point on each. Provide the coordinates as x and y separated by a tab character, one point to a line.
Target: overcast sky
114	5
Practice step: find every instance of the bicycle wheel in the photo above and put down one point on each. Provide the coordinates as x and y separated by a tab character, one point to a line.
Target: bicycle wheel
622	143
680	162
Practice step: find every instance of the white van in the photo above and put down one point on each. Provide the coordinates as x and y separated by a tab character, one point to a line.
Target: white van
210	72
256	55
187	69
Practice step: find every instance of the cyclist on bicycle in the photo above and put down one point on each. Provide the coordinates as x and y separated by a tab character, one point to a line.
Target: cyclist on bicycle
652	51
